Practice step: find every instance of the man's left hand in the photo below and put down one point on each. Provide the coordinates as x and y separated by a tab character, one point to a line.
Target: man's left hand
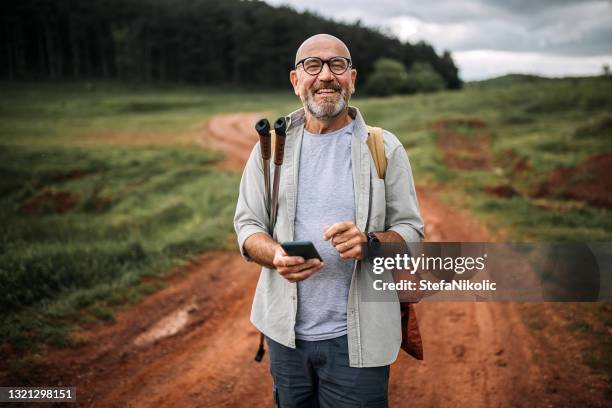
347	239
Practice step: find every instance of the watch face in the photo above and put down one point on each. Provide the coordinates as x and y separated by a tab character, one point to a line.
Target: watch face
373	246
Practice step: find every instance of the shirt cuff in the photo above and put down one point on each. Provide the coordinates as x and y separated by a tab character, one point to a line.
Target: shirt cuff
246	232
408	233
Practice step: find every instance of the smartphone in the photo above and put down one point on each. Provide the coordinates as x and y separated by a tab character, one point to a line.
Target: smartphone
305	249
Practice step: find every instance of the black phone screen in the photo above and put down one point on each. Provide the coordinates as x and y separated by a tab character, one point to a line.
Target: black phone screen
305	249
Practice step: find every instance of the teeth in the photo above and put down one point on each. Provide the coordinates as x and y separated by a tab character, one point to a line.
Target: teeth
326	91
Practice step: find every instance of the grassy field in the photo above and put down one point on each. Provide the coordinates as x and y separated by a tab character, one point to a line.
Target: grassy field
104	184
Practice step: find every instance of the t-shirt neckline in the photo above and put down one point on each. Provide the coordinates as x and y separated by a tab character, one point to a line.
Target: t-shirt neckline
346	129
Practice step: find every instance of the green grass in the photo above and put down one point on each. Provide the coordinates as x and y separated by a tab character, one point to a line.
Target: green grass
597	330
70	112
141	210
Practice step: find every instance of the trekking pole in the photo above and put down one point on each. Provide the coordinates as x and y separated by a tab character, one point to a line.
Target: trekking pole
265	143
280	126
263	129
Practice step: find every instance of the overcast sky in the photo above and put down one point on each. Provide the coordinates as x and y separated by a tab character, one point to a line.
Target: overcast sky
488	38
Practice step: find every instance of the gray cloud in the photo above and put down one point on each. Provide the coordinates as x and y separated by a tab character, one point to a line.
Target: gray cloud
560	27
530	33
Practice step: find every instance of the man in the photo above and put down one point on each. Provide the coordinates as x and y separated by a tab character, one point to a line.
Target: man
327	347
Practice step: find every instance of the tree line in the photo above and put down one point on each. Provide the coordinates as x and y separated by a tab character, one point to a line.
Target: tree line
195	41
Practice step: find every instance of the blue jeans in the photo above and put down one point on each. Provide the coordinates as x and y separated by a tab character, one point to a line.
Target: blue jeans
317	374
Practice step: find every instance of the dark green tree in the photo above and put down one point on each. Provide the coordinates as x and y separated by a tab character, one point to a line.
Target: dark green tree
197	41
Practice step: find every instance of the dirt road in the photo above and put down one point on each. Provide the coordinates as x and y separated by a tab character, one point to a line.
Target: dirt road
191	344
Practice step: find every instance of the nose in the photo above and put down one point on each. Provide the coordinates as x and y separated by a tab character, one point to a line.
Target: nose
326	74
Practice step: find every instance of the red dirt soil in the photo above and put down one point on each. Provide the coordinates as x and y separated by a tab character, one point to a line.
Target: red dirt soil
504	190
590	181
50	201
191	344
464	151
234	135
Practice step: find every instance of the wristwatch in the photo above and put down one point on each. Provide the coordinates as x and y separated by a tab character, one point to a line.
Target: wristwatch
373	245
372	237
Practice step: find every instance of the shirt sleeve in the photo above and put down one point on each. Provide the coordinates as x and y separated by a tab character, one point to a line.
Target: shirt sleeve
402	212
251	213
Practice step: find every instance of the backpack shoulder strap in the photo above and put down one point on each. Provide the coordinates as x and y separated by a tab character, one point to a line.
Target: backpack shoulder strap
377	149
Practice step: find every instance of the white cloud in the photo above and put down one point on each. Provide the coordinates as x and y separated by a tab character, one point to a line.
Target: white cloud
441	36
482	64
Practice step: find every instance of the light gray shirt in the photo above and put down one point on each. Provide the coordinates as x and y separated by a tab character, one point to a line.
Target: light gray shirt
325	196
373	328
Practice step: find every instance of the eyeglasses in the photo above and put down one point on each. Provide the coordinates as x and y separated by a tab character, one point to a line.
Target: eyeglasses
314	65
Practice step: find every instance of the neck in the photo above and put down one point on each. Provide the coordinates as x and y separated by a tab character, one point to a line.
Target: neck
318	126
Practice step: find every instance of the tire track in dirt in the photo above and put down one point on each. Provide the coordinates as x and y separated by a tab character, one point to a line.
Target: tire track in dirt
234	135
476	354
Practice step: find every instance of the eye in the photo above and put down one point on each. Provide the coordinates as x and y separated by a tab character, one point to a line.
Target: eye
338	64
312	65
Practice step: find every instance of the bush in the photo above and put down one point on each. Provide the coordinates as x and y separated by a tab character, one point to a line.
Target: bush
423	78
390	77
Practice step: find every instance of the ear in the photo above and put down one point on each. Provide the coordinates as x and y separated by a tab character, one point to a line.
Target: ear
353	79
293	77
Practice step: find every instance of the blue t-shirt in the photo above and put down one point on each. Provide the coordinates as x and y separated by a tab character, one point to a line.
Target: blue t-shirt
325	196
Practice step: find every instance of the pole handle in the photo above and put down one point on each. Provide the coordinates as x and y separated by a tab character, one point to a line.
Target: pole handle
263	129
280	127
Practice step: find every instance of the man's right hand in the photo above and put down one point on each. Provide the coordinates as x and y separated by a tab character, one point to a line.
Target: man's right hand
295	268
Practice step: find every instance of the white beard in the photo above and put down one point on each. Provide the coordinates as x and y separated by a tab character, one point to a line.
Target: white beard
326	110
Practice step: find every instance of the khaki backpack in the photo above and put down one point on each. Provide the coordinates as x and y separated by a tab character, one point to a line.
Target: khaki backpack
411	336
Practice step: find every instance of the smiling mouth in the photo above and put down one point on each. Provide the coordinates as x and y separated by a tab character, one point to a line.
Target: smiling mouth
326	91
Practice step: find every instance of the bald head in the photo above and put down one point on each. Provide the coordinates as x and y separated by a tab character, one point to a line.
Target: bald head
321	42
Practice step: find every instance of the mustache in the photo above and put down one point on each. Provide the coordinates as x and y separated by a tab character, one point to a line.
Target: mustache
332	85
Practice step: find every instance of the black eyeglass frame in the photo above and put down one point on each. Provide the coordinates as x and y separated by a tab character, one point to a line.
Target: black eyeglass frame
323	62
